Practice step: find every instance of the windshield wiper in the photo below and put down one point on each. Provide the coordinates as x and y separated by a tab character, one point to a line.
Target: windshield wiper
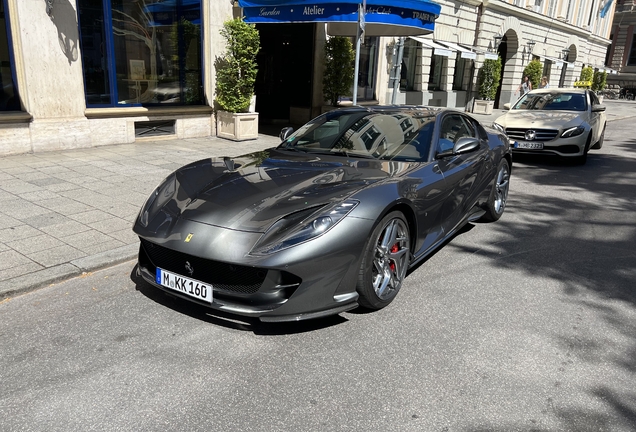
295	149
350	155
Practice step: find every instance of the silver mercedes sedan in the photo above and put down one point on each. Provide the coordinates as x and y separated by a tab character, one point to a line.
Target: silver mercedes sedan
565	122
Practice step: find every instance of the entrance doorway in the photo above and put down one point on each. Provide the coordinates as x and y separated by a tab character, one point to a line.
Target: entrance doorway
285	70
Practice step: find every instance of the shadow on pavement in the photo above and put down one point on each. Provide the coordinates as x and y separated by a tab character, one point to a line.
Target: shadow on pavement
596	266
235	322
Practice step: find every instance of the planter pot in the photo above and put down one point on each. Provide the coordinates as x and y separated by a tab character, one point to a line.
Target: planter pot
237	126
483	106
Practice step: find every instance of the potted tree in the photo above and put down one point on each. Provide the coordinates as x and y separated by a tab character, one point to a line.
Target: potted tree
599	81
235	78
487	83
586	77
338	74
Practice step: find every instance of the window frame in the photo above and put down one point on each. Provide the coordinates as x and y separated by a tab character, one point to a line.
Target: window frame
110	56
11	54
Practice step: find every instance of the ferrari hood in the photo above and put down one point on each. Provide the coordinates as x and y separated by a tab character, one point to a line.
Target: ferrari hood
540	119
251	192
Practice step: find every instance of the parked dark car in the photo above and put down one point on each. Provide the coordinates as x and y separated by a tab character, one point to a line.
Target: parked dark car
329	220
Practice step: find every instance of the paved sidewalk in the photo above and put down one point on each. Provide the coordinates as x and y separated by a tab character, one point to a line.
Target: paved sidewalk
64	213
68	212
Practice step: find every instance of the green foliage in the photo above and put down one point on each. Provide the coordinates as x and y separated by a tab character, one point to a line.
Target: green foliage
236	70
534	70
599	81
587	74
338	76
488	79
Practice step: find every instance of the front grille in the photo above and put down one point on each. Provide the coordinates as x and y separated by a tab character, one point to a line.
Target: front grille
541	134
222	276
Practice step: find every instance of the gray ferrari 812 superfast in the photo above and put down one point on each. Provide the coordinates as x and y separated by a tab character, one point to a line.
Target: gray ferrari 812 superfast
329	220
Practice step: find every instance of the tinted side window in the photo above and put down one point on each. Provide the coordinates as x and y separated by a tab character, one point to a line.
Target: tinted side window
453	128
594	99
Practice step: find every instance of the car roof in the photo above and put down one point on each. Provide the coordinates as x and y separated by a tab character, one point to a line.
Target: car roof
560	90
415	110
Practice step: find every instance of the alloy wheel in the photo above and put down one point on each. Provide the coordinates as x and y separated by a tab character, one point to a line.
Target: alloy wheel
391	259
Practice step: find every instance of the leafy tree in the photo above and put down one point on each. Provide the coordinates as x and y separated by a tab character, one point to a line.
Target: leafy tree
599	81
587	74
488	79
236	70
338	77
534	70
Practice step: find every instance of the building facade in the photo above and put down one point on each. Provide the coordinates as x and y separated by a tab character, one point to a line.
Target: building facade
622	53
564	35
83	73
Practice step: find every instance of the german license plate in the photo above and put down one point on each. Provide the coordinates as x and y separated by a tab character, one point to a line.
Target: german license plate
184	285
529	145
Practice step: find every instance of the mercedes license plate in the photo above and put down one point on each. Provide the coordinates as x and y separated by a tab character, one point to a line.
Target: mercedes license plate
529	145
184	285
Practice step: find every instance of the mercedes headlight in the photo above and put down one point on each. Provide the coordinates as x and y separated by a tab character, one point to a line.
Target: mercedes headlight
574	131
302	226
499	127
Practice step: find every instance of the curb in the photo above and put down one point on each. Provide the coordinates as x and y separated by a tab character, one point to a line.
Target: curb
39	279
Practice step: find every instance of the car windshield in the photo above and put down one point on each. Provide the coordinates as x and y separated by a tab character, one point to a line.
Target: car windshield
552	102
403	135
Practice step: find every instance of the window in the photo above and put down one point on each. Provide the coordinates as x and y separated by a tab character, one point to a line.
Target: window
593	98
452	129
409	61
581	12
551	8
435	78
141	53
631	61
399	135
367	68
547	69
9	100
460	69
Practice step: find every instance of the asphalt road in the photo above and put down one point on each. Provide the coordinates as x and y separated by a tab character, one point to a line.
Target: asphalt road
527	324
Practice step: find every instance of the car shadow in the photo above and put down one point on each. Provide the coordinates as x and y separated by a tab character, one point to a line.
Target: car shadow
227	320
466	228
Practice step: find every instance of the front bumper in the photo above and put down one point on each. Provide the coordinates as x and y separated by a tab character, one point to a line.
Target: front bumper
310	280
562	147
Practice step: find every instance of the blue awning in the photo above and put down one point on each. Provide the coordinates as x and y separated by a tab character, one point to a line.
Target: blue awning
383	17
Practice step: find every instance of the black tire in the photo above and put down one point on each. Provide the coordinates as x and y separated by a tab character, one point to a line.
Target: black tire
582	160
499	193
385	262
599	144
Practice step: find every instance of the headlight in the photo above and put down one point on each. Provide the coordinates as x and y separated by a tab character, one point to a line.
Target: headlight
571	132
161	195
499	127
302	226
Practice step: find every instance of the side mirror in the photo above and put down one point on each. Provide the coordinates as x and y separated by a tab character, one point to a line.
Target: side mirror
598	108
507	106
285	133
465	145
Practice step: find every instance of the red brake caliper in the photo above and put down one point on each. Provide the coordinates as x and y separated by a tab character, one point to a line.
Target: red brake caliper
394	249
